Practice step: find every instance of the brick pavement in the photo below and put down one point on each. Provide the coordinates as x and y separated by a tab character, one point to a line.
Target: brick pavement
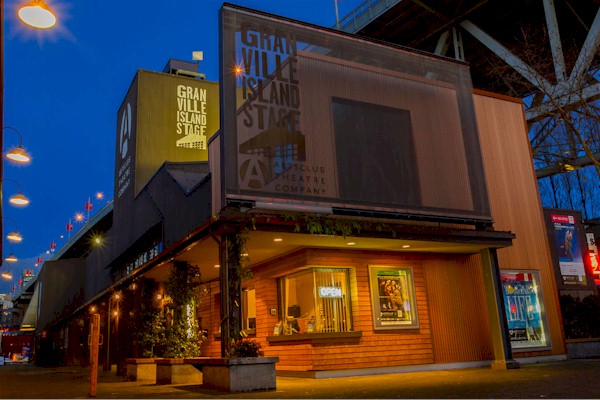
564	379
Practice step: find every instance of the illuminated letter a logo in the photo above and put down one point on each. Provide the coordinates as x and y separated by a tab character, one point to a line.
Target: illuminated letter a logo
253	174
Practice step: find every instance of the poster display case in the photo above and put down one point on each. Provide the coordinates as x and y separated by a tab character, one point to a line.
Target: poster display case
393	297
525	313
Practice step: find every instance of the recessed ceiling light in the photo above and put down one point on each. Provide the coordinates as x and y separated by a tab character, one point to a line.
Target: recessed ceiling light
406	246
350	244
278	240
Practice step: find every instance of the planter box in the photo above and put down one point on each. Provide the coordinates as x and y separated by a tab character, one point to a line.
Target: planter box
583	348
141	369
173	371
240	374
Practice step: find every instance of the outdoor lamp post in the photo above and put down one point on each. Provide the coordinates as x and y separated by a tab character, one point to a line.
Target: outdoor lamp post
19	199
14	236
17	154
7	275
38	15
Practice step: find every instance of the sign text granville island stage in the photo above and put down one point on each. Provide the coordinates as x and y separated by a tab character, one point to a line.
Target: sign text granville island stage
191	116
270	87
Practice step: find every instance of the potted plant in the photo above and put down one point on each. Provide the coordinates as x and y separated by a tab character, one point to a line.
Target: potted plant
246	347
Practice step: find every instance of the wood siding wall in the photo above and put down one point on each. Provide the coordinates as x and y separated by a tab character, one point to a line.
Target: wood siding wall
454	304
459	319
514	199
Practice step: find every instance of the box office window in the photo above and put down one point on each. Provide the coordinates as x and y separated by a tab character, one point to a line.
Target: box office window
525	313
316	300
393	297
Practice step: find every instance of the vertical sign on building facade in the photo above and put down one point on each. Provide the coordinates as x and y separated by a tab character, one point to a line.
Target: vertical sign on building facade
191	117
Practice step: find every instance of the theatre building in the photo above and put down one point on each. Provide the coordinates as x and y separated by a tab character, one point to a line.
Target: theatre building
355	207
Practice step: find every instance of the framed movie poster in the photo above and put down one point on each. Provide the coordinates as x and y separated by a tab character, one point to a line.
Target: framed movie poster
393	297
568	249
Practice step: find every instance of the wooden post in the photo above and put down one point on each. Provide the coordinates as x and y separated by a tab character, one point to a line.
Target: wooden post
95	342
496	311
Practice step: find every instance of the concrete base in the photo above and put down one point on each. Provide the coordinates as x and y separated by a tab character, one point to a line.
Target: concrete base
141	369
583	349
505	364
175	372
240	374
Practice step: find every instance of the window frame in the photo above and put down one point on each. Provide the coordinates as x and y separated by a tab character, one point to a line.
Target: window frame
312	269
374	287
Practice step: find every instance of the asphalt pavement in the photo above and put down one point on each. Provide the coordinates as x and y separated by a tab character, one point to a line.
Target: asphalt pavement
564	379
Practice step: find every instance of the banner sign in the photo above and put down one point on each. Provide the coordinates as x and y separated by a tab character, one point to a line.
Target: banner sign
568	248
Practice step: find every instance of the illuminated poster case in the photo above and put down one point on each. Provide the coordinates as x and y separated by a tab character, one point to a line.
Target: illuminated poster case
525	312
567	240
329	119
393	298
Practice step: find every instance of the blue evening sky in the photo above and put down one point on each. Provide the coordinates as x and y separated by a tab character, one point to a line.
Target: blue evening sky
63	88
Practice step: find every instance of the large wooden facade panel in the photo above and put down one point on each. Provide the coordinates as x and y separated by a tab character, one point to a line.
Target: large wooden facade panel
514	198
433	106
458	309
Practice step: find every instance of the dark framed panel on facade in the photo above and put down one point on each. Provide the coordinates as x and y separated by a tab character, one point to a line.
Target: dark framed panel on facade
302	105
393	297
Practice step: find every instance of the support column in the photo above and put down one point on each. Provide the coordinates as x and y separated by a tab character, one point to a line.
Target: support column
230	281
496	311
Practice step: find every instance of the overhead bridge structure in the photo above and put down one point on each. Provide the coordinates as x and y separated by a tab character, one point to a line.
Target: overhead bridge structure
544	51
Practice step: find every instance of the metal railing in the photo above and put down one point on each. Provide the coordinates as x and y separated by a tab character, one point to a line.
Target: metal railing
362	15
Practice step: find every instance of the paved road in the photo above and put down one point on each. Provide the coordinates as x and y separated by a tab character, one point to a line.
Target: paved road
566	379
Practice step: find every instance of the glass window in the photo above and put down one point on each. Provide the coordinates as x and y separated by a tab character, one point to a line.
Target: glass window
316	300
524	309
393	298
249	311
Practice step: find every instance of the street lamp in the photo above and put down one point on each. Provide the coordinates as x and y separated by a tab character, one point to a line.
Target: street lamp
17	154
7	275
14	236
19	199
37	14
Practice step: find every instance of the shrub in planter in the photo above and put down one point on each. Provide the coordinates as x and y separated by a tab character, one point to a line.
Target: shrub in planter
246	348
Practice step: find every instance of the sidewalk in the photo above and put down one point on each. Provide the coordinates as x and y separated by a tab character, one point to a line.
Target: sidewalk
566	379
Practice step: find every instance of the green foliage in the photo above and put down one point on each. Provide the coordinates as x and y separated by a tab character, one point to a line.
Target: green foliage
151	336
182	336
581	318
183	339
318	224
246	348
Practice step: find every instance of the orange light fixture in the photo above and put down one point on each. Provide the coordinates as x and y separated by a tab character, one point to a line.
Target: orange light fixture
11	258
15	237
37	14
18	200
18	154
7	275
